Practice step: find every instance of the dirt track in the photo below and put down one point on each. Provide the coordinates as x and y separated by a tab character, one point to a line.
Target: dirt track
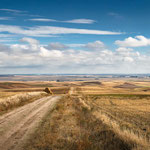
72	91
16	126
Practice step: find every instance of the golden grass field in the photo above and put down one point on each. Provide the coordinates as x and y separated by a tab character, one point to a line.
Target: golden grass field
111	114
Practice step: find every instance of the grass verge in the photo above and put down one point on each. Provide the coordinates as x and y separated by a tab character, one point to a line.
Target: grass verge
9	103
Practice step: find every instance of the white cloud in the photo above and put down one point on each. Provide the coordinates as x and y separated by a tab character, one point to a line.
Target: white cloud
128	59
78	21
6	40
63	30
81	21
57	45
59	58
12	10
97	45
4	48
124	49
127	54
52	54
6	35
42	20
138	41
30	41
76	45
45	31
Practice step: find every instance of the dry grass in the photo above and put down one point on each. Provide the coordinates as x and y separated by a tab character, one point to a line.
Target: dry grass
98	117
115	87
72	126
108	115
128	115
8	103
19	87
6	94
60	90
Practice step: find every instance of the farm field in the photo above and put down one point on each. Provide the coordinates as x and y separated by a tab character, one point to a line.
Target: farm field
107	114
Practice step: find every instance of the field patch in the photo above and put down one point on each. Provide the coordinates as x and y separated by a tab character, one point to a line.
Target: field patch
91	83
127	115
127	85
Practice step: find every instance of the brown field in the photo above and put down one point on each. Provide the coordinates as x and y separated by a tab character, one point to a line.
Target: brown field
111	114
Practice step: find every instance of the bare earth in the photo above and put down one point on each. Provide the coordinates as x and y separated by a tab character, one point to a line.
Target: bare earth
19	124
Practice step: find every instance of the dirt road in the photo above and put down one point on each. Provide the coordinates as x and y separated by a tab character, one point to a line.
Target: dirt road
72	91
16	126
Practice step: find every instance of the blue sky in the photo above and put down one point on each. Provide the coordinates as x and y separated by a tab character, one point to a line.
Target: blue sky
75	36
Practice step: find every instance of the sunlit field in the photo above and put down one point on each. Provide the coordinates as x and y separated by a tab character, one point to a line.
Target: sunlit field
92	115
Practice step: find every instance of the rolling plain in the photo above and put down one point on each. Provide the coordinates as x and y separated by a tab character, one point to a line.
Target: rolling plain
105	114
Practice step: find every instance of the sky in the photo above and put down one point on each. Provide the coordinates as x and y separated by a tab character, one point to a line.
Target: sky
74	37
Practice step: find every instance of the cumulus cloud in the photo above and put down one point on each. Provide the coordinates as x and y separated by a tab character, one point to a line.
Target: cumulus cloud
57	46
52	54
30	40
97	45
127	54
45	31
58	58
76	45
124	49
4	48
138	41
128	59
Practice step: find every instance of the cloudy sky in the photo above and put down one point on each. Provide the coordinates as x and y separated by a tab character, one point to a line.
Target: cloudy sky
74	36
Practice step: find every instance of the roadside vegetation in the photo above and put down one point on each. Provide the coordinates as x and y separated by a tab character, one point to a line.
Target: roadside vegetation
10	102
6	94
